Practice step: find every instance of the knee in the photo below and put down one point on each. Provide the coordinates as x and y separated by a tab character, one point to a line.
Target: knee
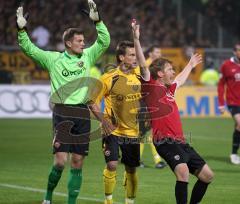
112	166
206	175
209	176
182	173
59	162
77	163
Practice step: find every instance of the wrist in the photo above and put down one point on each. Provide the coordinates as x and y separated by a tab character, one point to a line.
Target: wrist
97	22
21	29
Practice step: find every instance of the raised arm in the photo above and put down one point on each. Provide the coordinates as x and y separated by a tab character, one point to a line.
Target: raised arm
193	62
145	73
103	38
38	55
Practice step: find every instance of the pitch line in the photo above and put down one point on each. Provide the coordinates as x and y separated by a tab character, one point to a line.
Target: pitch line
38	190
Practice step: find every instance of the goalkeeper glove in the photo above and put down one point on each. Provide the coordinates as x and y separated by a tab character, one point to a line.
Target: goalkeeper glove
21	20
93	13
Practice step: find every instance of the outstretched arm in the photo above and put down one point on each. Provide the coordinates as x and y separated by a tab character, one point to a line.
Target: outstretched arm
145	73
38	55
103	38
193	62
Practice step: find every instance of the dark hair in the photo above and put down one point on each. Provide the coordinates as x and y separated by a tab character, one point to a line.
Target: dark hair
151	48
158	65
235	46
69	33
121	49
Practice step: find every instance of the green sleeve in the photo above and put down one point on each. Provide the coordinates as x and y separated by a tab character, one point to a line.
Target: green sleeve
100	45
43	58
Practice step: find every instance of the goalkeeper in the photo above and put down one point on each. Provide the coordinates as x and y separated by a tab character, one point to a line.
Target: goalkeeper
69	75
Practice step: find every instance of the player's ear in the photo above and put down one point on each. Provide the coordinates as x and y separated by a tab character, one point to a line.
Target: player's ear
160	74
69	43
121	57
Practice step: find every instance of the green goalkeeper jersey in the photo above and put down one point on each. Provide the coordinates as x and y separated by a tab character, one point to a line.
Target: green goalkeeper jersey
69	74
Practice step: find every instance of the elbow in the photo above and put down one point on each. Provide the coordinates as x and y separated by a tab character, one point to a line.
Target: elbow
147	78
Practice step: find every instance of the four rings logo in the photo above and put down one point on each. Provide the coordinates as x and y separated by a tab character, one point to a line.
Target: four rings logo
24	101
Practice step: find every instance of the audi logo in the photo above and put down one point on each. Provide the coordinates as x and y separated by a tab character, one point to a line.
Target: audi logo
24	101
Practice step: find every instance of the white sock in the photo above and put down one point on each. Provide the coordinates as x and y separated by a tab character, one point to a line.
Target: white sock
108	197
129	201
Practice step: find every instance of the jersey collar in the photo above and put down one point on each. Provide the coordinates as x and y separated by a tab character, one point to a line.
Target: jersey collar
71	56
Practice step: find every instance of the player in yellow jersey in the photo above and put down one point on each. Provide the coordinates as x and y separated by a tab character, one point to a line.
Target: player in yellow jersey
121	92
153	52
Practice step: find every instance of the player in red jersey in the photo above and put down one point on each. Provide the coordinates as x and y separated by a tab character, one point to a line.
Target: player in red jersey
230	79
167	128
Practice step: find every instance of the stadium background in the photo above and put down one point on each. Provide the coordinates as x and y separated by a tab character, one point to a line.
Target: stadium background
210	27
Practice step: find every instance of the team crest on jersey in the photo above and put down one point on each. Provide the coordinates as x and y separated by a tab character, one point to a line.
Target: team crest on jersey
135	87
237	76
170	96
80	63
119	97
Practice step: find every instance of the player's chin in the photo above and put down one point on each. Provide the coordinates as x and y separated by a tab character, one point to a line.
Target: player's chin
134	65
170	81
80	51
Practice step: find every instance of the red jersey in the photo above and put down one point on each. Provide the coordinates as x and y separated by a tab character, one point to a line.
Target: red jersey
165	117
230	77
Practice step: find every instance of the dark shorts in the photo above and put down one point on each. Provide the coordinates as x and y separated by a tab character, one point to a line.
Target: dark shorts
234	110
177	153
130	148
71	128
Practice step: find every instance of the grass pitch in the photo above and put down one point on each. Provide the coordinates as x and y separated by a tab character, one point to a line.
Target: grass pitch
26	158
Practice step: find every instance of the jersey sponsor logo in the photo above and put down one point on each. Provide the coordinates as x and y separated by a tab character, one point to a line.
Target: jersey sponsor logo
67	73
25	101
133	97
129	97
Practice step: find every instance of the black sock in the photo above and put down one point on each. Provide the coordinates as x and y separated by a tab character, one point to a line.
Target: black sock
198	192
236	141
181	192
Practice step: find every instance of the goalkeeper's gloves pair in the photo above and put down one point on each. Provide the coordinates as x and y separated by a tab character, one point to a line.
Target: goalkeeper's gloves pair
93	14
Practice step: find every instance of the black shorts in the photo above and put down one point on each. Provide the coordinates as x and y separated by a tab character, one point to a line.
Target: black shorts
71	128
130	148
176	153
234	110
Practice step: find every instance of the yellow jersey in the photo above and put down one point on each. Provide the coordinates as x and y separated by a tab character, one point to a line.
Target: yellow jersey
122	93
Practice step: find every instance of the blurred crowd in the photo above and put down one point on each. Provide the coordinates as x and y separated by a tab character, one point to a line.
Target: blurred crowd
158	18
